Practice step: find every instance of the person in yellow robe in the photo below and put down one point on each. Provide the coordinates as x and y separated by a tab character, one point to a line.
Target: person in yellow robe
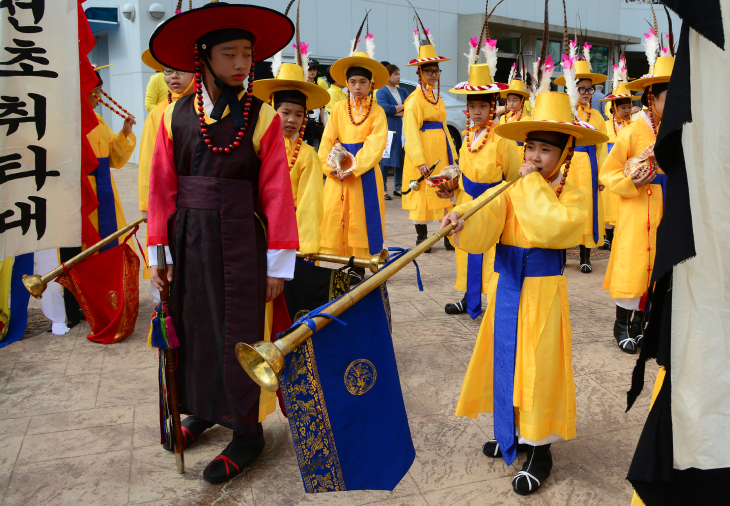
156	91
484	159
335	92
521	368
640	209
427	141
588	160
518	108
619	108
179	84
354	208
292	97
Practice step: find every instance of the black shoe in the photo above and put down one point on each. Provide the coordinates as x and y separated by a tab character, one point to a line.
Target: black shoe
622	331
637	327
192	427
238	454
585	260
457	307
397	193
448	245
535	471
609	238
82	316
422	235
491	449
387	197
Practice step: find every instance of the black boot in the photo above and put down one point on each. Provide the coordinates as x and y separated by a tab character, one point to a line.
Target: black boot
622	331
192	427
608	240
457	307
585	260
637	326
535	471
422	235
448	245
491	449
237	455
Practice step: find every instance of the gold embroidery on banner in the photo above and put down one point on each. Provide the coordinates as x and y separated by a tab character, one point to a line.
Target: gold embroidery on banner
339	284
360	376
310	424
301	313
130	285
386	304
112	300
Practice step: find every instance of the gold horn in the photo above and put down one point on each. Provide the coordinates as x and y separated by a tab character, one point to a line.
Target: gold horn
36	284
264	361
374	263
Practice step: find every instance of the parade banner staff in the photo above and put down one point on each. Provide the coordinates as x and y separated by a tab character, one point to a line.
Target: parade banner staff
39	61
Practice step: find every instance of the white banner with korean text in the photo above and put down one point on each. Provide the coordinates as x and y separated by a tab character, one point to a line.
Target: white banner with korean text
40	126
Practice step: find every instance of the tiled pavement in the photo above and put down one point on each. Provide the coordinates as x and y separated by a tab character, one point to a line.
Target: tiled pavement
79	421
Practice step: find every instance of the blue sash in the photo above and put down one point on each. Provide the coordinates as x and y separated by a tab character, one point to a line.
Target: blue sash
520	144
372	204
437	125
593	157
661	180
474	262
610	146
513	264
107	210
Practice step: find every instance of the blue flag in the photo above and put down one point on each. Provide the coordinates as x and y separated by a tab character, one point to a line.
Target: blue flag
344	402
19	298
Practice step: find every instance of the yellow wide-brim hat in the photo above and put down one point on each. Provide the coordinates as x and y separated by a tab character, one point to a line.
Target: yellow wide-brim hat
621	92
480	82
660	73
291	77
552	113
516	87
338	70
150	61
426	54
583	71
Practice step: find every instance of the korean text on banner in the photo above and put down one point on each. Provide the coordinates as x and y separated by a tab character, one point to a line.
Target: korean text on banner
40	126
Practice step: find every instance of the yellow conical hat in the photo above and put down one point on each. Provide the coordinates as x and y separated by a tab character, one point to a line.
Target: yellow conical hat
516	87
621	92
480	82
426	54
338	70
660	73
583	71
552	113
291	77
150	61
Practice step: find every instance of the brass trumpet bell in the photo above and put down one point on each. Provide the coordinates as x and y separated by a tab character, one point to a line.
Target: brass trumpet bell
263	362
374	263
34	284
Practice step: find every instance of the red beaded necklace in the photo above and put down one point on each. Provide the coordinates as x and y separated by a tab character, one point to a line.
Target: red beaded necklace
423	89
298	145
488	127
199	70
111	108
587	110
568	160
349	107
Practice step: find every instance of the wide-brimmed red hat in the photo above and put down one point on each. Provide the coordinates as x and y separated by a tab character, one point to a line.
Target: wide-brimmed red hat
173	42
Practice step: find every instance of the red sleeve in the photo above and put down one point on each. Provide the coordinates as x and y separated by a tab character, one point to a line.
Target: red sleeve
163	187
275	193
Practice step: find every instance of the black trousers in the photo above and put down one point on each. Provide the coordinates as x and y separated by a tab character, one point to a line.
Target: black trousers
73	310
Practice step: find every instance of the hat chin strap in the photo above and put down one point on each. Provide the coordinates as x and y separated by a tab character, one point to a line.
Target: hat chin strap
563	156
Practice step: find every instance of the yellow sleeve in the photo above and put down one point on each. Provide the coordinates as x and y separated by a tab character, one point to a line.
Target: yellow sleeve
121	147
546	221
412	122
146	149
508	159
322	83
454	153
611	173
372	150
310	204
484	228
156	91
329	136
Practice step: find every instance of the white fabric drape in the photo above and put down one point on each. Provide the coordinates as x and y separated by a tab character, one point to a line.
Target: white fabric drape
700	358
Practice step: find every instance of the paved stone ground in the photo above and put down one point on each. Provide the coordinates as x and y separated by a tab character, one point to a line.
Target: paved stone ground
79	421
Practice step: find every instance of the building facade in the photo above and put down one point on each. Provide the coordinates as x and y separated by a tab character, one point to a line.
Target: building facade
328	26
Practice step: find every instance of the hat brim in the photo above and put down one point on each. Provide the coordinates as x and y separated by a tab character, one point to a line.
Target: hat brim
173	42
595	78
316	97
641	84
465	91
524	94
418	63
148	60
618	97
517	131
338	70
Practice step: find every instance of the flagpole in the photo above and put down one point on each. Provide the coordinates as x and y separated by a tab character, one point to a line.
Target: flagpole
263	361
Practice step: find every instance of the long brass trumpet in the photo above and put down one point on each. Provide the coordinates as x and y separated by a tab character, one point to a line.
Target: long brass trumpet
36	284
374	263
264	361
